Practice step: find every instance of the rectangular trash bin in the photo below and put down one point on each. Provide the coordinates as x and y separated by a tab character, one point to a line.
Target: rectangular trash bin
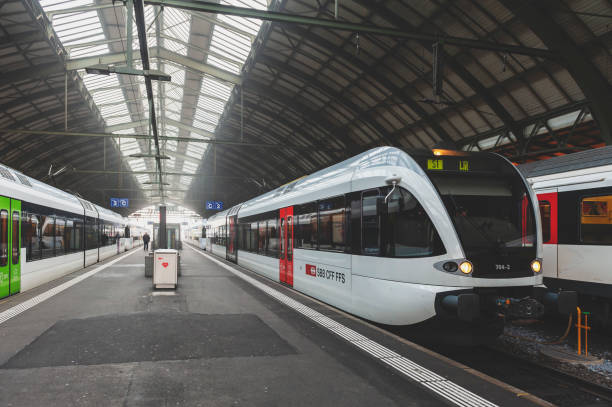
165	272
149	265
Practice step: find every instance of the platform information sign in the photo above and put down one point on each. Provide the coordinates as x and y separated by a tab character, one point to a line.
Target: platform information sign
214	205
119	203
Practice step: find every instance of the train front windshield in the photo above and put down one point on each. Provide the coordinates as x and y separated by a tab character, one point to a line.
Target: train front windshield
492	214
488	213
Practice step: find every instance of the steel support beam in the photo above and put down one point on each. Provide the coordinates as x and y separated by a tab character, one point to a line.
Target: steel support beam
168	173
155	52
536	15
274	16
224	142
34	72
572	107
459	69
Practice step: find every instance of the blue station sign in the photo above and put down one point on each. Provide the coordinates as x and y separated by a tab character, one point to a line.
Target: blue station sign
214	205
119	203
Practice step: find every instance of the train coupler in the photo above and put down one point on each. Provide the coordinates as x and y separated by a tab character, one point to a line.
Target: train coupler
520	308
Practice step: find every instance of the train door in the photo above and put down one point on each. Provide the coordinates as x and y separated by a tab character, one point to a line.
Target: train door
232	241
10	246
548	204
15	266
286	245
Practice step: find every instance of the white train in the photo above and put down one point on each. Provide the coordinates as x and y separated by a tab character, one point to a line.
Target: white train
398	239
575	199
46	233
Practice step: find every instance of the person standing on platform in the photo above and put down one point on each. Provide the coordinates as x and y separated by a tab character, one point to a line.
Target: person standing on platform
145	240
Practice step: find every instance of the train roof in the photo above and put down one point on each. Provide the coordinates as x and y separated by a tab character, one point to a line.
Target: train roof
20	186
107	214
376	157
571	162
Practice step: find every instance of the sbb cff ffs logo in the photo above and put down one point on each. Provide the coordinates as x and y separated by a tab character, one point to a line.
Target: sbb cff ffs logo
311	270
327	274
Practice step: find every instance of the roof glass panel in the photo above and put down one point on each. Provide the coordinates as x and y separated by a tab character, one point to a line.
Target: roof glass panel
82	35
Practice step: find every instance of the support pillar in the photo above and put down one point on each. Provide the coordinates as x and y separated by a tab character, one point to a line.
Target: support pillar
163	236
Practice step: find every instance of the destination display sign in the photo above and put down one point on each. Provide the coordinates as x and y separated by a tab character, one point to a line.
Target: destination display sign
461	164
448	164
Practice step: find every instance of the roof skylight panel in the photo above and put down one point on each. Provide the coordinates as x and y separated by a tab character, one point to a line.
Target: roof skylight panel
176	24
189	166
52	5
88	51
196	151
150	17
137	164
108	90
185	180
204	126
216	87
113	109
171	145
207	117
247	25
129	146
228	66
210	104
111	121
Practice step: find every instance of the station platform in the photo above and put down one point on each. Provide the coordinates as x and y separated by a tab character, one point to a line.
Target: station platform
225	337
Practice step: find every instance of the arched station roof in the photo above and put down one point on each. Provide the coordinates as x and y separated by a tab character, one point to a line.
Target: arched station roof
252	105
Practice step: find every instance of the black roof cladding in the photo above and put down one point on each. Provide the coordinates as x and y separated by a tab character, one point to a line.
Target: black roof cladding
571	162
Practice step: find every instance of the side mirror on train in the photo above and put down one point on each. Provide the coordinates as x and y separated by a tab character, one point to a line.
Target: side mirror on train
392	180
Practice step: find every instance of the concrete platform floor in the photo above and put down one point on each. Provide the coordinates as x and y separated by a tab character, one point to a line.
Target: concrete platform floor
110	340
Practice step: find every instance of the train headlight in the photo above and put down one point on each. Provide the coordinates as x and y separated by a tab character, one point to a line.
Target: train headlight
466	267
536	266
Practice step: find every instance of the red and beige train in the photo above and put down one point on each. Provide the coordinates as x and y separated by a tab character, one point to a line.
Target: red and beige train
575	200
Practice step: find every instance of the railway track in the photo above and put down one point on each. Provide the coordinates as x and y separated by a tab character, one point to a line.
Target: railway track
556	387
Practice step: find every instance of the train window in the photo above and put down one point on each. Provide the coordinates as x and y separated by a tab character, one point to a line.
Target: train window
272	234
60	245
306	226
15	254
48	236
596	220
262	238
76	236
332	224
545	217
30	235
91	233
370	222
408	231
68	235
253	240
355	222
242	236
4	237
